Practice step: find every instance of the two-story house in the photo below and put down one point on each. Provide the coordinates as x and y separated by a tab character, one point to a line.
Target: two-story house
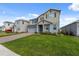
46	22
21	25
8	26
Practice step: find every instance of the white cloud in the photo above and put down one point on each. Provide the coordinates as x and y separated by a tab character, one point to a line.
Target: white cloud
3	20
35	15
32	15
74	7
22	17
28	16
12	19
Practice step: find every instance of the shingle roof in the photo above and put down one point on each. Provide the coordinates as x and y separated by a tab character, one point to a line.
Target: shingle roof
71	23
49	10
8	22
21	20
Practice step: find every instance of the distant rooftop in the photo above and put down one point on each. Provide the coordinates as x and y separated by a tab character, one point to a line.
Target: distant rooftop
8	22
77	21
33	19
21	20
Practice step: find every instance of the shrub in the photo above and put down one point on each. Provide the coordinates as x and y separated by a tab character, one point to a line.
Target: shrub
48	33
35	32
71	33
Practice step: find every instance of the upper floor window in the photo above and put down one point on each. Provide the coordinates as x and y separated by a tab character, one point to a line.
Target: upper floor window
34	21
42	18
55	14
46	16
50	15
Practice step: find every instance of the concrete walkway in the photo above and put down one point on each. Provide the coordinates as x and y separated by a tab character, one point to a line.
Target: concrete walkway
6	52
13	37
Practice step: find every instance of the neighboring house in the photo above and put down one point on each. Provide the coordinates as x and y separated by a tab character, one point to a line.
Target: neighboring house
71	29
46	22
0	28
21	25
3	28
8	26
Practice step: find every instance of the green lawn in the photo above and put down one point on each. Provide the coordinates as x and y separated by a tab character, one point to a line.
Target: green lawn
45	45
2	34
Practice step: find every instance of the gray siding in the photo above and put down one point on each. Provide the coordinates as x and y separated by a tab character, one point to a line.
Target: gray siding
20	26
70	29
74	28
77	29
52	30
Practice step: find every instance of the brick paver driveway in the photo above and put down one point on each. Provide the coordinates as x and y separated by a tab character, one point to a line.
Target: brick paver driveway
13	37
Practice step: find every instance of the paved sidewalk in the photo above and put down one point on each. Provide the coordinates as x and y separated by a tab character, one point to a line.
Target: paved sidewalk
13	37
6	52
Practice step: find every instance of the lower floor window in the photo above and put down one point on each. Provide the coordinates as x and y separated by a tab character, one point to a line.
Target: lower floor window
54	27
47	27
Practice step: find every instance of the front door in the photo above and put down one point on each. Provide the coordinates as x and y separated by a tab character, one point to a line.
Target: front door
40	28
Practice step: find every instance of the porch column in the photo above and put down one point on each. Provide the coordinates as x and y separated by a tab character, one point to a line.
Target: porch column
37	28
43	28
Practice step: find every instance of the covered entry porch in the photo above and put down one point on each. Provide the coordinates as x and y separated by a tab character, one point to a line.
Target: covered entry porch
43	28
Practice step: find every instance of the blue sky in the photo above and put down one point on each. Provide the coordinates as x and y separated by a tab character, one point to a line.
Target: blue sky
12	12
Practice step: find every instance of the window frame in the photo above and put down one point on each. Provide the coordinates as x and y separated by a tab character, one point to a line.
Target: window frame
55	14
54	27
22	22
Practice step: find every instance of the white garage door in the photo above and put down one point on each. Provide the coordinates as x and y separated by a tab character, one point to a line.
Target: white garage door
31	30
